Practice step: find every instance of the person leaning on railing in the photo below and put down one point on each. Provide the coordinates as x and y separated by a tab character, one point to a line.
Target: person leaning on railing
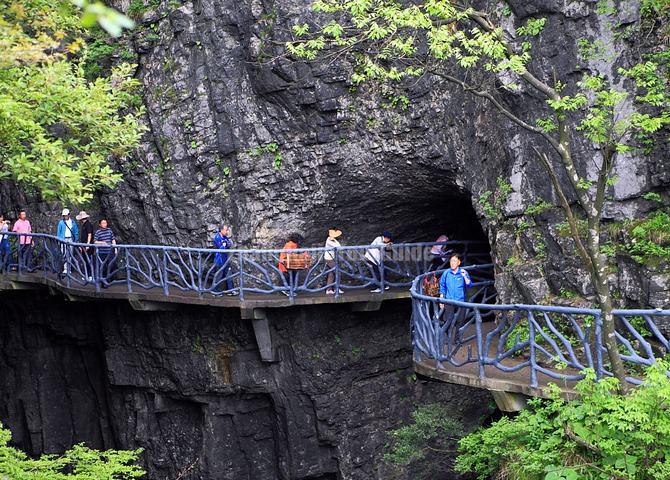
374	257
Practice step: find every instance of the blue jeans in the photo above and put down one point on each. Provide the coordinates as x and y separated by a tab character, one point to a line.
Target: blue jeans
222	274
5	254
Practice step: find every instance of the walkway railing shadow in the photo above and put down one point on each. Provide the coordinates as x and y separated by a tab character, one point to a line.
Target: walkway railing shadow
131	268
534	343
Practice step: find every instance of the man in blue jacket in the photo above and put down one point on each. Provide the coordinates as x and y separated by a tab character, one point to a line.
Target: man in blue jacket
68	232
453	283
222	241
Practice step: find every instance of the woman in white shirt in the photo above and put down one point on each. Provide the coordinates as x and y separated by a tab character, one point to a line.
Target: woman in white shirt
332	242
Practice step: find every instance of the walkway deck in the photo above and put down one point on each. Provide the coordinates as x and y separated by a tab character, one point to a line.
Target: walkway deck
155	299
495	380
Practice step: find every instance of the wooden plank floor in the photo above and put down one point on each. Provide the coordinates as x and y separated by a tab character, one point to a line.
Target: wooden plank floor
494	379
14	281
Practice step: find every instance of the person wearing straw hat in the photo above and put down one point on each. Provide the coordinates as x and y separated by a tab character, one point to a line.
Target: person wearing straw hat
68	232
332	243
86	236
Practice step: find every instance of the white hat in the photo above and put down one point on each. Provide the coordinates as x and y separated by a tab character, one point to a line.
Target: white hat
65	212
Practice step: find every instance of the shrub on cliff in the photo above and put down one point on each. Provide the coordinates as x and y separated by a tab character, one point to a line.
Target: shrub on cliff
603	435
78	463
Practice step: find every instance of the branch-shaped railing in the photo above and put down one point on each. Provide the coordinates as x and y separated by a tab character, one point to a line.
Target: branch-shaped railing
534	342
176	269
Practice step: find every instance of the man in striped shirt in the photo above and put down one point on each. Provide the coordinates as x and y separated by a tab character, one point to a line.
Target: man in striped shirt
104	236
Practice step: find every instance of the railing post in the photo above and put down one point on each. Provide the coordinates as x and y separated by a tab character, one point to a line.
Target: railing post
533	359
337	272
199	274
68	267
481	355
96	267
600	369
166	290
129	284
19	255
382	254
241	259
44	261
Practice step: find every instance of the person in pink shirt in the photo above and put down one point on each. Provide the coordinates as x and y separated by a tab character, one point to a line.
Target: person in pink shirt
22	226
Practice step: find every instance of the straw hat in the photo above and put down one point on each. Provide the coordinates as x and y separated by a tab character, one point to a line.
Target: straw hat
334	232
82	215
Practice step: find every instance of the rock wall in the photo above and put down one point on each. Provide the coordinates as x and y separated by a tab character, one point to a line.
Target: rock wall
189	387
215	100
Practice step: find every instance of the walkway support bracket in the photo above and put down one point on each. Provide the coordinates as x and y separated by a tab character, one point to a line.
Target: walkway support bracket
262	332
509	401
150	306
372	306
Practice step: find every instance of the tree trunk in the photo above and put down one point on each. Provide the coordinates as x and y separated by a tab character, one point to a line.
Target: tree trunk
599	278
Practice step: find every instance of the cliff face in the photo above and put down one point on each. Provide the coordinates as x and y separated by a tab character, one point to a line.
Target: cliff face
272	147
189	388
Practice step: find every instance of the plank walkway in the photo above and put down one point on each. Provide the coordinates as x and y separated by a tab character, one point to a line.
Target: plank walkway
155	299
495	380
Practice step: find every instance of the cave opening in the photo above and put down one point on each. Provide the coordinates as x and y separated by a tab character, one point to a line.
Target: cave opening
443	213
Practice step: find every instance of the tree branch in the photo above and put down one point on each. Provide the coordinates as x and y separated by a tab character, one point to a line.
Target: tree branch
487	95
569	214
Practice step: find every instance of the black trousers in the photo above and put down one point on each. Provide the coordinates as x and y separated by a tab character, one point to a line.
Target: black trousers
376	271
454	315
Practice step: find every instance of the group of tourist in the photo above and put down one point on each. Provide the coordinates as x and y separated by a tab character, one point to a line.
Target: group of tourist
452	283
67	230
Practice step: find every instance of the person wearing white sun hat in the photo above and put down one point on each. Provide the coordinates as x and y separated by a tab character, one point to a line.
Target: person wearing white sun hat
68	232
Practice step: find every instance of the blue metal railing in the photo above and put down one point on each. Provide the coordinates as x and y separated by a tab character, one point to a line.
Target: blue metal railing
178	269
540	342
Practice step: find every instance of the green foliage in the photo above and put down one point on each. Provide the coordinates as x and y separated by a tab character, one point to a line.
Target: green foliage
78	463
272	149
649	238
57	129
603	7
137	8
50	140
492	203
567	294
432	427
109	19
96	55
600	436
538	207
591	49
652	197
533	27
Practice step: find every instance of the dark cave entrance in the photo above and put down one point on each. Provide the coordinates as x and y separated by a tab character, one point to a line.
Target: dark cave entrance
430	216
